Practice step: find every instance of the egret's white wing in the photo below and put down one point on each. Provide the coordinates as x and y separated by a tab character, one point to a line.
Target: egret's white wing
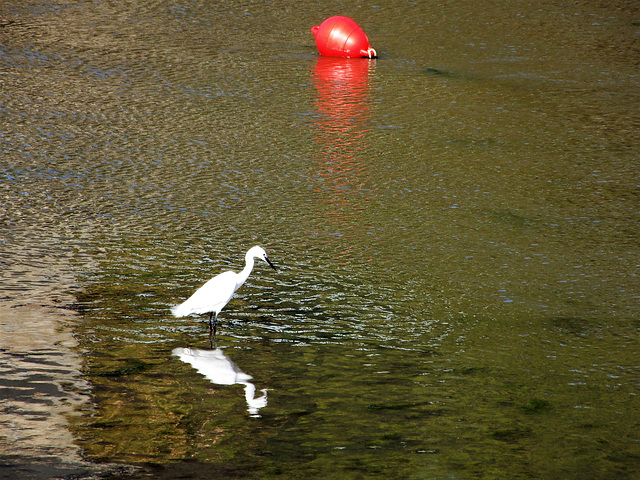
211	297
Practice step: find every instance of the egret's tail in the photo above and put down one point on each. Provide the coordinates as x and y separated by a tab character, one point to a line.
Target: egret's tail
181	310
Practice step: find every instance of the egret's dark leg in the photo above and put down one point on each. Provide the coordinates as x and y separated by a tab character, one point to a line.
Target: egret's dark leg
212	324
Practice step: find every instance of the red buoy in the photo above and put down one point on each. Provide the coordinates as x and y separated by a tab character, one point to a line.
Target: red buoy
342	37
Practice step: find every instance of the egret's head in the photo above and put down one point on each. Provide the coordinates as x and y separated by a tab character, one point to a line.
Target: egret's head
258	252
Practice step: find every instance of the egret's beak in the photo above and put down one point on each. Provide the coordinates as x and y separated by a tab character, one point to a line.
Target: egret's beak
269	262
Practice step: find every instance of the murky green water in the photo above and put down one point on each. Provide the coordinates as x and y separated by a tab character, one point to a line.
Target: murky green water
455	226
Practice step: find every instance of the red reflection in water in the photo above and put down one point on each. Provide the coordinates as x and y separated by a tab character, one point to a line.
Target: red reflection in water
343	103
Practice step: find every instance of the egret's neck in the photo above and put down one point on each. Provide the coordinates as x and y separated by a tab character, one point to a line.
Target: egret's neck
246	271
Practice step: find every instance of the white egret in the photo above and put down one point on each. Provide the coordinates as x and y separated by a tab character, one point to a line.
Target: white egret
215	294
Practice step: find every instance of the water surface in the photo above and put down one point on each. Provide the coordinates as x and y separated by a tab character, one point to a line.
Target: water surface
455	226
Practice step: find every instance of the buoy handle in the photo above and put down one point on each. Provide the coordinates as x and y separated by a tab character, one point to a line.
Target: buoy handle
369	53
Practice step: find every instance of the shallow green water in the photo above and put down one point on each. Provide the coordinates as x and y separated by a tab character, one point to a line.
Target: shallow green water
455	226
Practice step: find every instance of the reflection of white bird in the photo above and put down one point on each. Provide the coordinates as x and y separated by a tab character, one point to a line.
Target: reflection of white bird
219	369
216	293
